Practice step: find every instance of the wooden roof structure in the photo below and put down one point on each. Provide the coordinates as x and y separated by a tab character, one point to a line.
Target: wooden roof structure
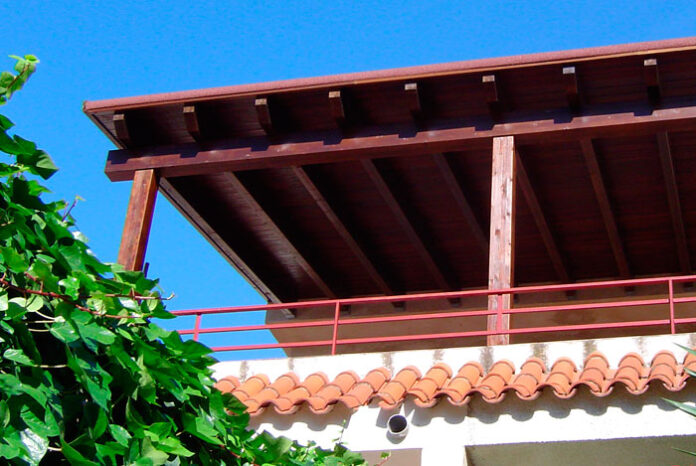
380	182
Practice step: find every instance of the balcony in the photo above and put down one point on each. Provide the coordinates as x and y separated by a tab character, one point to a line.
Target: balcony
649	306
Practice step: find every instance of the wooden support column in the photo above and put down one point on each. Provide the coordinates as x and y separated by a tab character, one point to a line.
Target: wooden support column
138	219
501	263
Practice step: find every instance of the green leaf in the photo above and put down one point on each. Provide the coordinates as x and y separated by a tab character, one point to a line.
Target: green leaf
18	356
75	457
14	260
35	445
5	123
65	332
119	434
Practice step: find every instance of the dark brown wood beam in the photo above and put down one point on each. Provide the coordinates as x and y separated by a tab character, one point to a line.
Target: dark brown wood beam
652	80
121	128
557	260
261	152
617	247
674	202
570	81
191	121
220	245
413	100
260	213
491	93
341	229
263	114
400	216
501	261
337	106
136	229
465	209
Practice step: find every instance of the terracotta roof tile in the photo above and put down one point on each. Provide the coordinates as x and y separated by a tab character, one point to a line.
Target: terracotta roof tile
286	394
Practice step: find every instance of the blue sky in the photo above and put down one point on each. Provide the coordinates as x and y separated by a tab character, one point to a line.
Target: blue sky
96	50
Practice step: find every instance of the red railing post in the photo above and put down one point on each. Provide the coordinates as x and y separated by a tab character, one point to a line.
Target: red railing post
197	327
672	327
337	312
499	320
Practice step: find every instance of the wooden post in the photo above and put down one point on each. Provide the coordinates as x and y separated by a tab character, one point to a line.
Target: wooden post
138	219
501	263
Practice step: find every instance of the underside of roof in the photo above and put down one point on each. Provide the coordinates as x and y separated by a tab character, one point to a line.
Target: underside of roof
379	183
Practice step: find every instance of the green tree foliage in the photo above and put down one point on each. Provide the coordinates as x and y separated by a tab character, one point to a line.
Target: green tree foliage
85	376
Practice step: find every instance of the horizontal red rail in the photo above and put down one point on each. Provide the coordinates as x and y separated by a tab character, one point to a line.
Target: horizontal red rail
339	321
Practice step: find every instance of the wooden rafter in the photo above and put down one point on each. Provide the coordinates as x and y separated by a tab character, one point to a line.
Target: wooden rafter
220	245
261	152
402	219
263	114
570	81
341	229
192	122
467	212
652	80
121	128
674	202
260	213
617	247
559	264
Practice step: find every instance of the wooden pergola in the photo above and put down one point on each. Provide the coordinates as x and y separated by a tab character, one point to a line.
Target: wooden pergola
547	168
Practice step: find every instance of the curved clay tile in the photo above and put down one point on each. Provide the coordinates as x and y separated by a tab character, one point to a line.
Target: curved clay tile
227	384
561	378
459	387
363	391
596	375
393	391
632	374
251	387
664	367
425	389
281	386
527	381
493	385
292	399
330	393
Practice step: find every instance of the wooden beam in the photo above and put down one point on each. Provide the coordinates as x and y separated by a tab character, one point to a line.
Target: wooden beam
465	209
570	81
191	121
501	261
401	218
491	93
588	152
557	260
674	202
262	152
413	100
263	114
121	128
260	213
136	229
341	229
338	111
220	245
652	80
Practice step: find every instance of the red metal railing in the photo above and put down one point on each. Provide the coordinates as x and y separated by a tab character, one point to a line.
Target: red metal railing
670	320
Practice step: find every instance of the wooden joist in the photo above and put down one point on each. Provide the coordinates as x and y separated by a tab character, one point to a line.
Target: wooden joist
465	209
263	114
191	121
557	259
341	229
136	229
121	128
675	210
413	101
337	107
570	82
260	213
652	80
386	195
617	247
491	93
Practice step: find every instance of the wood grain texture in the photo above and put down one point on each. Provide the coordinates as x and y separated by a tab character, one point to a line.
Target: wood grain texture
501	261
191	121
341	229
401	218
261	213
557	259
460	198
570	82
617	247
138	220
257	153
674	202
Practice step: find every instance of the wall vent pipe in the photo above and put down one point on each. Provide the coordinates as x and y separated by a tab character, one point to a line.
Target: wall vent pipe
397	426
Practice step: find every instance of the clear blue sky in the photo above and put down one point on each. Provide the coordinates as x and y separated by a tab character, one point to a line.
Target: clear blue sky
93	50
